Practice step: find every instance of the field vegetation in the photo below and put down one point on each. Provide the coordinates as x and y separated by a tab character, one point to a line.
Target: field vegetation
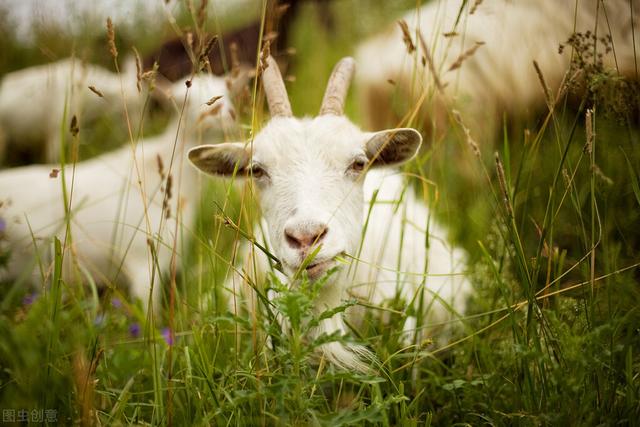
548	211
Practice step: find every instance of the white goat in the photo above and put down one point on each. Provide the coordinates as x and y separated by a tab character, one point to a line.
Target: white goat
499	75
112	216
310	176
33	101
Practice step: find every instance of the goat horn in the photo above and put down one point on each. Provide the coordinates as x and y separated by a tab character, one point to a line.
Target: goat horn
334	96
274	89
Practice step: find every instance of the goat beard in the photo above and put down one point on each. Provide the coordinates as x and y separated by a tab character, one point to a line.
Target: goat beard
344	355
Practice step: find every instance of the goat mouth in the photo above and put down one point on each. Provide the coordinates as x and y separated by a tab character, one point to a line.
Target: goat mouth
316	269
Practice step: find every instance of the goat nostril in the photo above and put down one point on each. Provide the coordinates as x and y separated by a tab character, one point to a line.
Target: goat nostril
291	240
321	235
305	238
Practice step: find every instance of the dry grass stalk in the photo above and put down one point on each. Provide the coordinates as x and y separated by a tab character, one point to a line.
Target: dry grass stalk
190	43
470	141
429	60
96	91
111	39
503	185
450	34
406	36
85	381
202	13
190	7
465	55
475	6
235	59
566	177
588	118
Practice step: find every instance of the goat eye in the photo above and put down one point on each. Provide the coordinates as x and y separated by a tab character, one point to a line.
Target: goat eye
256	172
358	165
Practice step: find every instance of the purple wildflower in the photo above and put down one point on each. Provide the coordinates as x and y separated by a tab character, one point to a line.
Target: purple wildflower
29	299
115	301
3	225
167	335
134	329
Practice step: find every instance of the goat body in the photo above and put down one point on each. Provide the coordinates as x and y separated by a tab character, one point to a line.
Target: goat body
33	102
112	217
480	56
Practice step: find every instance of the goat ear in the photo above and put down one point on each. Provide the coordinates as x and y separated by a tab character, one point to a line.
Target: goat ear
393	146
220	159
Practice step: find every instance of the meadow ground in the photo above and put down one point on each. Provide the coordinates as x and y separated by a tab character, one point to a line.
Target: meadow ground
549	213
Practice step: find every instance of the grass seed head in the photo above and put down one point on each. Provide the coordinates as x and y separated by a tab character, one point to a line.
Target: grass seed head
73	126
138	70
470	141
160	166
96	91
406	36
545	87
465	55
204	55
111	39
168	194
213	100
502	181
264	54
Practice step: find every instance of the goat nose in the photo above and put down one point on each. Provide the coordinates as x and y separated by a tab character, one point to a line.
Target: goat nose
303	237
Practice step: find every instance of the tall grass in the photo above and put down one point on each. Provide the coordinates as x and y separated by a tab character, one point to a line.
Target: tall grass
548	213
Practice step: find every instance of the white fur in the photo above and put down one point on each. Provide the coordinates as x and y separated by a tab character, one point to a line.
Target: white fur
307	162
33	102
112	215
500	74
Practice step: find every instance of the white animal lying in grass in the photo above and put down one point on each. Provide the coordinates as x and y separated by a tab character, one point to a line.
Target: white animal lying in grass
33	103
112	217
310	175
478	57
